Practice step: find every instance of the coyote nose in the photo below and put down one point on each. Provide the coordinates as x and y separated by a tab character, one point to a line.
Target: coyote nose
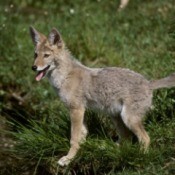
34	68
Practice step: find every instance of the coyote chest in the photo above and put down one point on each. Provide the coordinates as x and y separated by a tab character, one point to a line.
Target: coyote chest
56	80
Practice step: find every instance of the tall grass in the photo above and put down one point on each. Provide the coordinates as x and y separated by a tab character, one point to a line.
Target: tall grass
140	38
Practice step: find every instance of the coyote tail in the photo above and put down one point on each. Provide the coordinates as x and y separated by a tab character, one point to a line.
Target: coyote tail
166	82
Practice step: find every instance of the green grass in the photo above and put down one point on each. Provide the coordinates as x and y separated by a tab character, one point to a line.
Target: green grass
140	38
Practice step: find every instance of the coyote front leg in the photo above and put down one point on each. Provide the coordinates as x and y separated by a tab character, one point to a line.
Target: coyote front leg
77	117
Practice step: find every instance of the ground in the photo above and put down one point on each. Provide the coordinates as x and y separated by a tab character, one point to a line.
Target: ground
35	125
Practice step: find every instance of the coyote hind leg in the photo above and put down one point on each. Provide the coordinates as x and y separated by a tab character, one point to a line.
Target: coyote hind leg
123	132
134	123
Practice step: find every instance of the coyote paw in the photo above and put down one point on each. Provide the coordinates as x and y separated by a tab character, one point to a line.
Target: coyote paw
64	161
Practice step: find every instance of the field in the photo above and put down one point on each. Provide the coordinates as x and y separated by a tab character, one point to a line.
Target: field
35	125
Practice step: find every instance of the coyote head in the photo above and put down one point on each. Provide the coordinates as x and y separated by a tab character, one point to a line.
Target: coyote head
46	51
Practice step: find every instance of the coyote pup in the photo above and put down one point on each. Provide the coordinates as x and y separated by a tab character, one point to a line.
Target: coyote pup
124	94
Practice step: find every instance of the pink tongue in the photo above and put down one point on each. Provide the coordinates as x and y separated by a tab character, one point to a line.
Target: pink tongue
39	76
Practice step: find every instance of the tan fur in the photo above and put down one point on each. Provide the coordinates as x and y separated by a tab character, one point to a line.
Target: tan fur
123	4
124	94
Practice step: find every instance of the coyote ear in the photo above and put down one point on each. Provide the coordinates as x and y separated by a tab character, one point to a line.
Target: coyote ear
55	38
34	35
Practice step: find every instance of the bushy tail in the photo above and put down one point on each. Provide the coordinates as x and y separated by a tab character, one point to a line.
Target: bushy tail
166	82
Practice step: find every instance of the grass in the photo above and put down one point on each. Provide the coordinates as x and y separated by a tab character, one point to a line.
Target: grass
140	38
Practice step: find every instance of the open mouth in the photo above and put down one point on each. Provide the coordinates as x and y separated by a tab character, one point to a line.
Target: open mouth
41	73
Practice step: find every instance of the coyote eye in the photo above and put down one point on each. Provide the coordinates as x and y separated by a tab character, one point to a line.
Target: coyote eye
35	55
46	55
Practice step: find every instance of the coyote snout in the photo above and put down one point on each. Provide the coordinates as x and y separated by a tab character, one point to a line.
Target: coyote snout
41	72
124	94
34	68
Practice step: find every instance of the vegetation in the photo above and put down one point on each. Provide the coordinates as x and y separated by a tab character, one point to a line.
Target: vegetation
35	127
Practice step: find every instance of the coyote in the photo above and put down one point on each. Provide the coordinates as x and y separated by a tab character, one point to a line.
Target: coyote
122	93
